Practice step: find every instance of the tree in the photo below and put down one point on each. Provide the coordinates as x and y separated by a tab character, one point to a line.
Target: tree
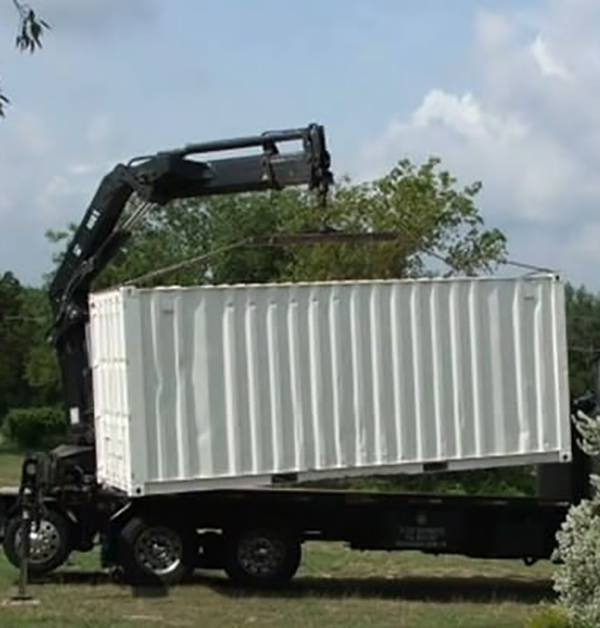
40	366
434	219
583	335
29	36
28	369
12	343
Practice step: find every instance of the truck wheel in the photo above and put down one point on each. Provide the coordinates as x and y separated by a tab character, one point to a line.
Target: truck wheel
155	552
262	556
49	543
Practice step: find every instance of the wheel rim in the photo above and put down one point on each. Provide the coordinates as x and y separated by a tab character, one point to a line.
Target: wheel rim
261	555
159	550
44	542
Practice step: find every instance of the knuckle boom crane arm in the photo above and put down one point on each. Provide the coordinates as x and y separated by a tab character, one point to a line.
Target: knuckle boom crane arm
159	179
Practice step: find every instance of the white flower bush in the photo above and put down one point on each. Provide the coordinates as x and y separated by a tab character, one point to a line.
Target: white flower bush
577	577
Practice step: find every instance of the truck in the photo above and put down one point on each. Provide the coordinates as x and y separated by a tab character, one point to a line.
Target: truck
67	502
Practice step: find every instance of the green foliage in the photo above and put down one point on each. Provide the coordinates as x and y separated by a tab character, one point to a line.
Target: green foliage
422	204
511	482
39	361
13	343
28	370
549	617
34	427
577	577
583	333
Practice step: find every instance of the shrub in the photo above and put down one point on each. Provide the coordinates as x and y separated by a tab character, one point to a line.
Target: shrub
577	577
35	427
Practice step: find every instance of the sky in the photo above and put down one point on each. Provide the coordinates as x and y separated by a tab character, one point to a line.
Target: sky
504	91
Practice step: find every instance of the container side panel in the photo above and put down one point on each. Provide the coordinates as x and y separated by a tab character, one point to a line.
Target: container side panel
231	385
404	300
150	386
135	390
358	379
322	300
244	449
364	329
426	393
182	373
560	360
217	374
111	403
529	362
255	381
274	383
337	372
163	310
521	415
287	418
315	378
550	406
455	353
506	420
443	374
308	452
203	394
265	422
191	375
252	371
297	394
386	376
397	381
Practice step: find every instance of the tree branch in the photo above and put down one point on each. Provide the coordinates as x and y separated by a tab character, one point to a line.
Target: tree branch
29	37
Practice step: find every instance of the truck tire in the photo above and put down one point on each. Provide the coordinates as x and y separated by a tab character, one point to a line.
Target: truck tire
262	556
154	552
50	543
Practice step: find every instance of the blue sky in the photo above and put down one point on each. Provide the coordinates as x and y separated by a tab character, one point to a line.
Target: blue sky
503	91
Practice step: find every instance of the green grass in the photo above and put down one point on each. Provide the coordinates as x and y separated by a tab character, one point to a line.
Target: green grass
334	588
10	466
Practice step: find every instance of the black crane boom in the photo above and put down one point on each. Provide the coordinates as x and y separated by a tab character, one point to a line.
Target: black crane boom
158	179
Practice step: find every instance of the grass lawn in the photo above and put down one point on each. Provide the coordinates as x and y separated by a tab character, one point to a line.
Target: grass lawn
335	587
10	466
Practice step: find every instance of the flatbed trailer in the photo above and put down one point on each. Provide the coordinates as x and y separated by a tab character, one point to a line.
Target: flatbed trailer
256	535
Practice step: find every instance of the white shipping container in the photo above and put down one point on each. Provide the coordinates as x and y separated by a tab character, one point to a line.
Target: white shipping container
232	386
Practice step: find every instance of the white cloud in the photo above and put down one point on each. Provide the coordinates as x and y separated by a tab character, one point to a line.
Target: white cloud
528	127
548	64
464	114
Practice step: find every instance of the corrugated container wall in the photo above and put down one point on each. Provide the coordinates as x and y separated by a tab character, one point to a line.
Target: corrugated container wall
222	386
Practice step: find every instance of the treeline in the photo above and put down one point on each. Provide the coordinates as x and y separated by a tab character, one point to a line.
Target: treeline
30	392
28	370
